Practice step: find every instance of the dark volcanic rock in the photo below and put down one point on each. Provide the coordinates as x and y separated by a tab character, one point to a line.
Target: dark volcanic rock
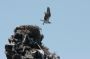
26	43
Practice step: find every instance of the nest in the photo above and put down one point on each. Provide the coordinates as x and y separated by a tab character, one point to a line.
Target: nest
26	44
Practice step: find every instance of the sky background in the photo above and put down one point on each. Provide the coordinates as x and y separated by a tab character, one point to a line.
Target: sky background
69	33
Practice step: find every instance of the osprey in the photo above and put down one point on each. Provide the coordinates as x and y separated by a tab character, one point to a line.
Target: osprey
47	16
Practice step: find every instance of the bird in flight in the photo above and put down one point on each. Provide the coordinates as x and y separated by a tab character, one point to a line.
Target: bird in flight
47	16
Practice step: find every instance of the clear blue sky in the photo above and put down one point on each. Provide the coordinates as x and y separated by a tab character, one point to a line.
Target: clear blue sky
69	33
